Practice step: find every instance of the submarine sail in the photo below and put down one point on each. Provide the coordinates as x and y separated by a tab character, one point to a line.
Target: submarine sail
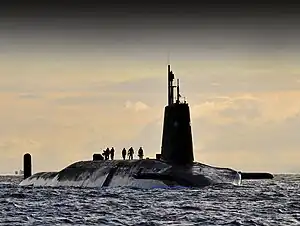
177	143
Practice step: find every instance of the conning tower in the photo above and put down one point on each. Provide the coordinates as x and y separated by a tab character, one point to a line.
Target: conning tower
177	143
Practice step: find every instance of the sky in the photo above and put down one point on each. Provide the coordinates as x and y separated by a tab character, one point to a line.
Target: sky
75	80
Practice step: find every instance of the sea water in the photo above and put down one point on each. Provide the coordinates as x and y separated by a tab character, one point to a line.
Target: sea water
256	202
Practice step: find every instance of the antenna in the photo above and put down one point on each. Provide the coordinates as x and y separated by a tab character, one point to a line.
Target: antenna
178	94
170	86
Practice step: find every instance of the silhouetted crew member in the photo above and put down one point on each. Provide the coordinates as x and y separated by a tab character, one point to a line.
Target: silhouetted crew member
124	153
112	153
103	153
141	153
130	153
107	154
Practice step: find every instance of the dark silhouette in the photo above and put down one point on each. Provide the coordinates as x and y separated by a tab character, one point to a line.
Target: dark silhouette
130	153
158	156
107	151
112	153
97	157
27	165
255	176
177	143
124	153
106	154
141	153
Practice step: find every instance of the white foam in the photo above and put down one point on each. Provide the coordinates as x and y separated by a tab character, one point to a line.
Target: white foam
40	181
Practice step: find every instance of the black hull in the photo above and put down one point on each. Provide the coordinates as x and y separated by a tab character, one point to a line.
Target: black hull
134	173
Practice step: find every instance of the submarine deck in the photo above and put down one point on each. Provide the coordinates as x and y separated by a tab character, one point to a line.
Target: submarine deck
134	173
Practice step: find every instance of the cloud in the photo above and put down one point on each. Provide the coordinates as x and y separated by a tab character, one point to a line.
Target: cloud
240	132
243	115
81	99
250	132
242	75
66	127
228	109
29	95
137	106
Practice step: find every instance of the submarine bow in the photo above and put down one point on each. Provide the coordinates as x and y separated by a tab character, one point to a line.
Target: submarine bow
174	167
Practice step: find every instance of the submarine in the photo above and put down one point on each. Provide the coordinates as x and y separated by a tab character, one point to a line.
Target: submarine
173	166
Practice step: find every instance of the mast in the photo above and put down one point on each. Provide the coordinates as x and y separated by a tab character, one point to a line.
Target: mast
170	86
178	94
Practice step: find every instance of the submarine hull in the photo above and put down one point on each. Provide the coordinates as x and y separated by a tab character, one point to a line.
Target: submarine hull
147	173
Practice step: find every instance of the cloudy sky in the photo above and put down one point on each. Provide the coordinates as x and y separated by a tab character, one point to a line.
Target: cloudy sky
75	82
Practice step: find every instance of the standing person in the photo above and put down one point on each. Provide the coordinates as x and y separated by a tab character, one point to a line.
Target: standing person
104	153
124	153
130	153
141	153
112	153
107	154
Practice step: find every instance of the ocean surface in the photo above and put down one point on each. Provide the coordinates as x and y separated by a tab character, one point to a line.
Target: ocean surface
265	202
